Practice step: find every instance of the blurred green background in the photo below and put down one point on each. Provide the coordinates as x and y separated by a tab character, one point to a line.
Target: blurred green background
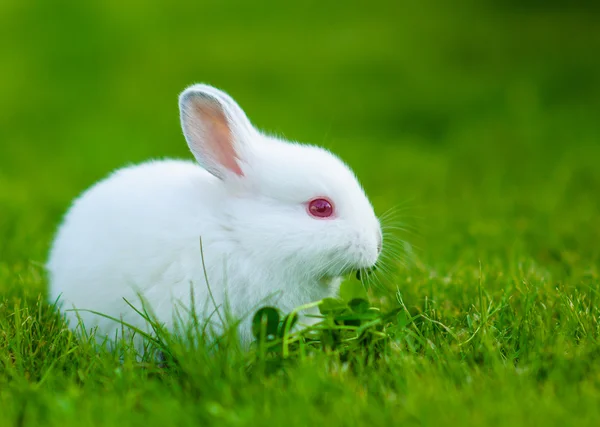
480	119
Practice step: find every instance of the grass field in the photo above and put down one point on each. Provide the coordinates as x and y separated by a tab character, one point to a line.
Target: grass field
479	122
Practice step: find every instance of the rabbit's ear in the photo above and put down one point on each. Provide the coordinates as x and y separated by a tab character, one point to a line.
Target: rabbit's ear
216	129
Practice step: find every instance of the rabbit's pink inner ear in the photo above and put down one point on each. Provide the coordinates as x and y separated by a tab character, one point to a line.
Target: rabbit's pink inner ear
218	138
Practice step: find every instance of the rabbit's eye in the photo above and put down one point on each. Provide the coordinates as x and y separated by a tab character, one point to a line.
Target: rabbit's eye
320	208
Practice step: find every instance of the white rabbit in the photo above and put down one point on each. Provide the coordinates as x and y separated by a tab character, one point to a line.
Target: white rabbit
277	220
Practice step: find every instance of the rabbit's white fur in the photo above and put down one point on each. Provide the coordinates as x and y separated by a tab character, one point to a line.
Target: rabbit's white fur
138	231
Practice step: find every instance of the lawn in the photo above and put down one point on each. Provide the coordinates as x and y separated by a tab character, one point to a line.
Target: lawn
477	124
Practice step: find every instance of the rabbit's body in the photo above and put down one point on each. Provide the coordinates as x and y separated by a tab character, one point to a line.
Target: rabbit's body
138	232
142	241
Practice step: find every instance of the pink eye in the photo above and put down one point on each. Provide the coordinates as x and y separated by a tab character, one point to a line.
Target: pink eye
320	208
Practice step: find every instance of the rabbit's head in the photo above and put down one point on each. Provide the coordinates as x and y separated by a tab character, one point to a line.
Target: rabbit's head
295	209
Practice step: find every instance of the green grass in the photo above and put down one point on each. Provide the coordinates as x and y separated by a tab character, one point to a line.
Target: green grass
479	121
